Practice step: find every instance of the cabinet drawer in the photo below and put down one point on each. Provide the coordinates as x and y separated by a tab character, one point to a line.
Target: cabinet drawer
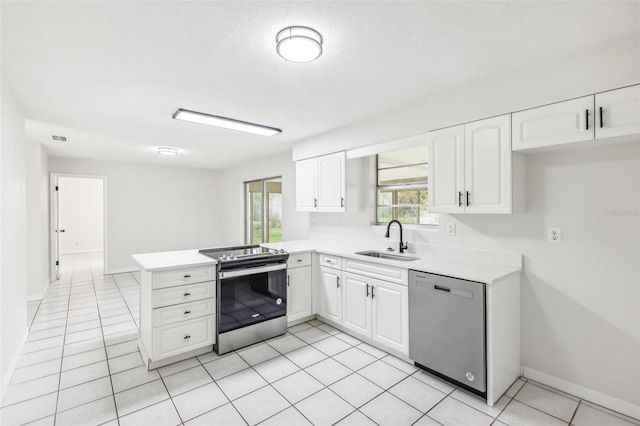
299	260
174	277
183	312
175	339
375	270
329	261
182	294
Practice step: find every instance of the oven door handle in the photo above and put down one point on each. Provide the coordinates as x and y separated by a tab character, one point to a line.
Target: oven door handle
251	271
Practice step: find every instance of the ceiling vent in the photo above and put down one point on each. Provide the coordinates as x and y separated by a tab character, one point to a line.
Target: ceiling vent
59	138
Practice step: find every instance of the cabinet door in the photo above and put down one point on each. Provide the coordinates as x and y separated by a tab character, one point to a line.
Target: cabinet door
356	313
446	170
307	185
563	122
298	293
487	170
332	182
331	295
618	112
390	304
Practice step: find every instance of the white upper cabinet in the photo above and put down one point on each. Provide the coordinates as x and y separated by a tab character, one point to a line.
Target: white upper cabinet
564	122
321	183
307	185
446	170
332	182
487	172
470	167
618	112
599	116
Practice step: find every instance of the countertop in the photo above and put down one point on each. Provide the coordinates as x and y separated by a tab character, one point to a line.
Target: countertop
456	265
428	262
172	259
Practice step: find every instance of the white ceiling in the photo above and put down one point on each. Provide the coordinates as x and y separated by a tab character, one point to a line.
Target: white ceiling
109	74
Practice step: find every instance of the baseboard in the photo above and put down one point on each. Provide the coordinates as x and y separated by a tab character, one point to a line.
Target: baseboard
12	367
120	271
590	395
41	295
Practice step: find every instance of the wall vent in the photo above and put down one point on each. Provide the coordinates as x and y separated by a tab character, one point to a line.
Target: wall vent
59	138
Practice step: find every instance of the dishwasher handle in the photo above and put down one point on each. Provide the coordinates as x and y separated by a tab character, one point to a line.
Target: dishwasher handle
439	288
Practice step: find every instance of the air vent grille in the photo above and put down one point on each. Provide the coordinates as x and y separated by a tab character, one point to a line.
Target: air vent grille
59	138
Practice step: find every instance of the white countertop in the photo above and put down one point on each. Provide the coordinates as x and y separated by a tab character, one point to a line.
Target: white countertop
172	259
486	272
443	262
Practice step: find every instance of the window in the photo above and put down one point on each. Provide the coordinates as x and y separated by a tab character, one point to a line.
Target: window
402	187
263	211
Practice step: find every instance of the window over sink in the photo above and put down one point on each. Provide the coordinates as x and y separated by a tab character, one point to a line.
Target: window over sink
263	210
402	187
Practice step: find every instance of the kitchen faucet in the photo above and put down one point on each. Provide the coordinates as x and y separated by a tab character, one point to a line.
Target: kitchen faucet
404	246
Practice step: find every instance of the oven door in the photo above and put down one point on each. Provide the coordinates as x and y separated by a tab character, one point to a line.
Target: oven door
251	296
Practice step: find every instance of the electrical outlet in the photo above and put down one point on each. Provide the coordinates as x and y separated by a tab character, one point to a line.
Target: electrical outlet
338	223
554	235
451	229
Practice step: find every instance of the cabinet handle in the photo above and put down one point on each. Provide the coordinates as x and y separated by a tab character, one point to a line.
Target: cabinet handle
327	261
601	123
338	282
315	202
459	198
187	276
373	294
299	260
468	198
288	284
367	290
341	201
586	114
187	294
187	337
187	312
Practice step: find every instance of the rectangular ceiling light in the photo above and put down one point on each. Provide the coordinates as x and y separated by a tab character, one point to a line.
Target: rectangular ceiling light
226	123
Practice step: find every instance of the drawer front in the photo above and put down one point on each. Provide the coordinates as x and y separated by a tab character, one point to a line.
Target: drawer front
299	260
375	270
329	261
184	311
182	294
175	339
174	277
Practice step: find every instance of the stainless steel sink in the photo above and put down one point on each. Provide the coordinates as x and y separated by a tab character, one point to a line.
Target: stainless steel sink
388	256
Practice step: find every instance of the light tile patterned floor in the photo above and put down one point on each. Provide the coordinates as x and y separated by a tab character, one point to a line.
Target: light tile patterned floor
81	366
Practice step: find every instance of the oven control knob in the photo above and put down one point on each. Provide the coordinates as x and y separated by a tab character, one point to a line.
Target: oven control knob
224	257
282	251
232	256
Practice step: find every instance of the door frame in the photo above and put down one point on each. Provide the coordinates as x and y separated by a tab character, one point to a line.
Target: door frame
54	212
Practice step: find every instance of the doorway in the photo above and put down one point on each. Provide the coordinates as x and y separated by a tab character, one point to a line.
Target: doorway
78	224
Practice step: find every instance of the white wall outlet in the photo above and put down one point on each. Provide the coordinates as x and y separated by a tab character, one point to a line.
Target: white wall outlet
451	229
554	235
338	223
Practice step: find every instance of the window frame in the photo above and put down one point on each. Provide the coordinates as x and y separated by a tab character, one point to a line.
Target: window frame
394	189
248	232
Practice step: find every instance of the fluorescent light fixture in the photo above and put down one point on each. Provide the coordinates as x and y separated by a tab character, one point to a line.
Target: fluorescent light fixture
299	44
165	150
225	123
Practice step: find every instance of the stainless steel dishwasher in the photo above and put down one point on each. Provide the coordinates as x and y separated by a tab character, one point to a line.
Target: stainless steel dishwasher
447	328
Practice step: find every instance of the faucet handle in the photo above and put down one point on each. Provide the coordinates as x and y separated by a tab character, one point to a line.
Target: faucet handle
404	246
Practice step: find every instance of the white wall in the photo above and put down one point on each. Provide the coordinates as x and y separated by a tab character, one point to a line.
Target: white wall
295	225
580	299
13	238
38	221
80	214
152	208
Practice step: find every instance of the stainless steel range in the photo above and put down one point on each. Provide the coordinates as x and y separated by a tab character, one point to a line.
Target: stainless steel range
251	295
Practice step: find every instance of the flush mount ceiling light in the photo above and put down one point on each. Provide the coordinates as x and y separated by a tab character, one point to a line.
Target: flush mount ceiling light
299	44
165	150
226	123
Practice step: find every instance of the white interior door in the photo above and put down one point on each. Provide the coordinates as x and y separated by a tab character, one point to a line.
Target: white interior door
55	225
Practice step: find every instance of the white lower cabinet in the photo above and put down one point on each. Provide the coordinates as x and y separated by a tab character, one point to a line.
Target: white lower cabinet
177	314
377	309
299	293
330	293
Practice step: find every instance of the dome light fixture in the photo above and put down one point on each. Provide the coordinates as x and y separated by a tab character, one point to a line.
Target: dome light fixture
299	44
165	150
